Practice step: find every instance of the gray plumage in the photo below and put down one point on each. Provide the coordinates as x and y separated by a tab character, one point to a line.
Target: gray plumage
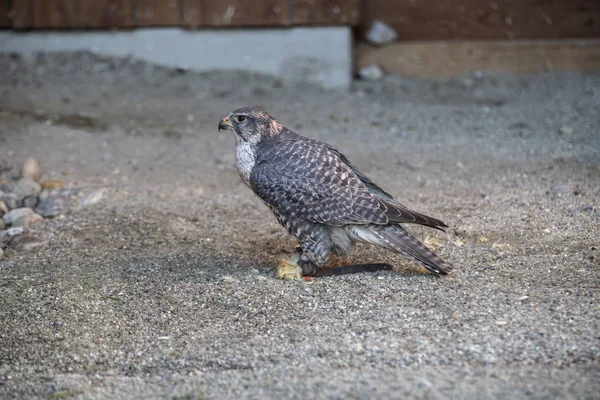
319	196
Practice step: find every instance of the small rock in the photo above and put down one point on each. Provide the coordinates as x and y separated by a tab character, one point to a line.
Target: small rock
13	215
50	206
30	201
93	197
2	226
53	184
3	208
12	232
1	253
565	130
31	169
7	235
8	187
26	187
11	201
371	73
381	33
566	188
27	220
26	243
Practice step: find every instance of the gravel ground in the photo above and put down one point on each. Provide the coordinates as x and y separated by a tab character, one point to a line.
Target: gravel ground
163	285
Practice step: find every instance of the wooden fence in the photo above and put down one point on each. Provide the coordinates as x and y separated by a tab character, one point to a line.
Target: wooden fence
413	19
98	14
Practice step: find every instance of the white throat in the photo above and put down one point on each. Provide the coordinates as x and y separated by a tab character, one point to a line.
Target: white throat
245	157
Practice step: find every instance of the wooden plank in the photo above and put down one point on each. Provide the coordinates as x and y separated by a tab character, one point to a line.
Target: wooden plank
246	13
22	13
325	12
72	13
192	13
486	19
156	13
4	10
452	58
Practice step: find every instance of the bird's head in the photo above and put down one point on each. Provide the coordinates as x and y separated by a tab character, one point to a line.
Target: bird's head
251	124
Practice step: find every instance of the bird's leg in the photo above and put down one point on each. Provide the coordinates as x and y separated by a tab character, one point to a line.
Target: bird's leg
297	266
289	269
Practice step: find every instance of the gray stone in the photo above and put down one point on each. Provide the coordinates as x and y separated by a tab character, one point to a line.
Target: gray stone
31	169
302	70
26	187
13	215
381	34
11	201
27	220
12	232
2	226
170	47
1	253
8	187
30	201
26	243
50	206
371	73
93	197
3	208
7	235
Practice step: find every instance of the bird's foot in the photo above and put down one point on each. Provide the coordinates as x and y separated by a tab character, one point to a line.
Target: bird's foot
289	270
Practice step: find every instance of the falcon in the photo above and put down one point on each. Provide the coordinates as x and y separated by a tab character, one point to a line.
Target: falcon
320	197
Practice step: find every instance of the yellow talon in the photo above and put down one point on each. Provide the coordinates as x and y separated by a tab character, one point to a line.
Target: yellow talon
288	270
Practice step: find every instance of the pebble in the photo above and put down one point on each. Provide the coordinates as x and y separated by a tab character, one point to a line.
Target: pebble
7	187
3	208
11	201
371	73
12	232
30	201
381	33
31	169
2	226
50	206
566	188
26	243
565	130
13	215
26	187
93	197
1	254
27	220
53	184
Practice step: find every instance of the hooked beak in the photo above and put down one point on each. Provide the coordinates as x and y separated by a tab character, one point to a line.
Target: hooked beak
225	124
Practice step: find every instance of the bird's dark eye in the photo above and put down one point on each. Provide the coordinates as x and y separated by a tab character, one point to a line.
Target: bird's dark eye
239	118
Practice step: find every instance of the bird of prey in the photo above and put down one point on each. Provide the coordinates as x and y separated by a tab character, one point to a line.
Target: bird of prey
320	197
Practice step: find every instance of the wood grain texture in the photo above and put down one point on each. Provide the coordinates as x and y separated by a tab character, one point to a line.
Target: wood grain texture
452	58
157	13
485	19
192	13
72	13
325	12
246	13
4	10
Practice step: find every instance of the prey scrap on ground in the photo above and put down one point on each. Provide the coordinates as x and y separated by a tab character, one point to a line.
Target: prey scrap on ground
321	198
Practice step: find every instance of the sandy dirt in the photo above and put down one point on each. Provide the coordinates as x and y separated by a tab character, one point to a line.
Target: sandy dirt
164	287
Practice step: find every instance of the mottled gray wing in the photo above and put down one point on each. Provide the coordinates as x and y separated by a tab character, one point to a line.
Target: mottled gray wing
307	180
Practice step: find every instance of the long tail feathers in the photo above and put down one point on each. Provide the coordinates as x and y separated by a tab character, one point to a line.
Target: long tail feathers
396	238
